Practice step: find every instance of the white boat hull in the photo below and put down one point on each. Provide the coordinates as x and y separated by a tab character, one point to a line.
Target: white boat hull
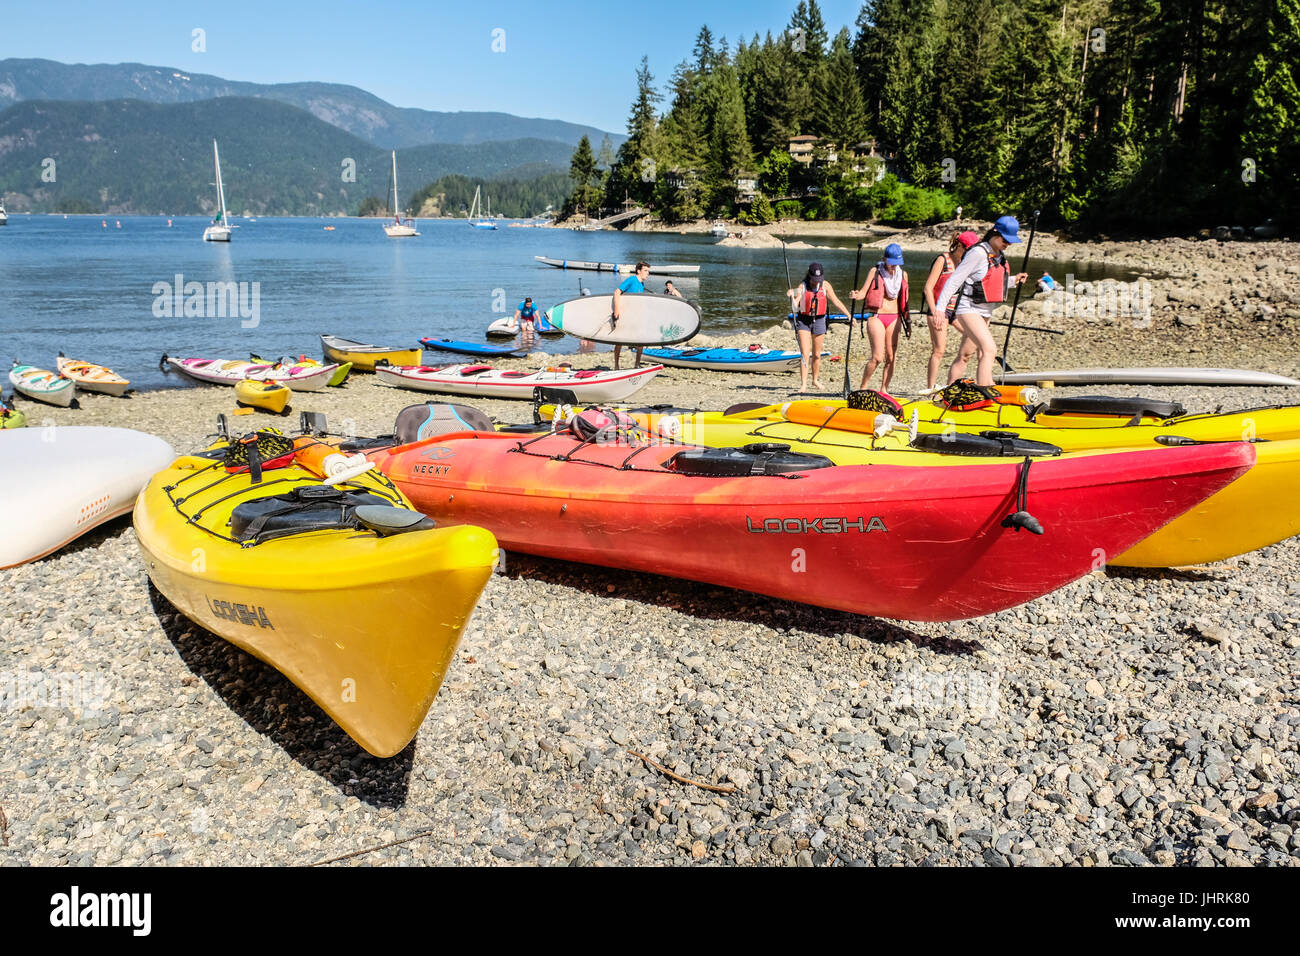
216	234
400	232
603	386
67	480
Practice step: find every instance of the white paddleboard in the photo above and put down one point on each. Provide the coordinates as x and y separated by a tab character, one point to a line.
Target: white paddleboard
645	318
1145	376
65	480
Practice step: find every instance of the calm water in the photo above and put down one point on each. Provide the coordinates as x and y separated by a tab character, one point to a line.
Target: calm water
71	285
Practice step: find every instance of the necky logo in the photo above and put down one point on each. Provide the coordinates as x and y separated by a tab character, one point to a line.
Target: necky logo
103	909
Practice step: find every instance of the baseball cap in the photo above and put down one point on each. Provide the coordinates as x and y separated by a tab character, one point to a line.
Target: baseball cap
893	254
1008	228
815	271
968	238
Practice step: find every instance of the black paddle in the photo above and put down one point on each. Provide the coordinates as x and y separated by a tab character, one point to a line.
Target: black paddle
1024	267
848	349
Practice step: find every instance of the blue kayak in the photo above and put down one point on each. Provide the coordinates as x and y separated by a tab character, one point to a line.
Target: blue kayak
468	348
729	360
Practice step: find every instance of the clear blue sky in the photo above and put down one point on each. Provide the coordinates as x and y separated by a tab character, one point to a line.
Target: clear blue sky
563	60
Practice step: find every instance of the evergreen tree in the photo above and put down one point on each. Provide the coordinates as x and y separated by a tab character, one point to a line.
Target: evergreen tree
844	118
634	173
585	197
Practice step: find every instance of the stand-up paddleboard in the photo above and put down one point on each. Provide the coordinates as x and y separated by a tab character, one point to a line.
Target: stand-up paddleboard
1145	376
470	348
645	318
65	481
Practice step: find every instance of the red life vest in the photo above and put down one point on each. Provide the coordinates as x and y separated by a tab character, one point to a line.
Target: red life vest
814	303
876	294
949	267
993	287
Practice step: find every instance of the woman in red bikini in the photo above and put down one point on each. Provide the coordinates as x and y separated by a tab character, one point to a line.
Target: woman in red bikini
885	295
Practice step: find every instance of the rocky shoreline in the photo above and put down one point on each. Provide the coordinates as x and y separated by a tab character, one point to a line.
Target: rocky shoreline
1132	718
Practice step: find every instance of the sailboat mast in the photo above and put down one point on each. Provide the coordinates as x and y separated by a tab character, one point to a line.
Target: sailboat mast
221	191
397	213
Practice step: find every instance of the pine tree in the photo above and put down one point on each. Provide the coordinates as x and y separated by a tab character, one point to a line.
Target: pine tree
585	197
636	168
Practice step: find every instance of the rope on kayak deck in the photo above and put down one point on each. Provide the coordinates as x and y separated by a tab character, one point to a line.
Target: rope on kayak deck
694	783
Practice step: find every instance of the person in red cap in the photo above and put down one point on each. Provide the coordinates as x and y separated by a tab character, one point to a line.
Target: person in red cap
943	266
977	287
809	304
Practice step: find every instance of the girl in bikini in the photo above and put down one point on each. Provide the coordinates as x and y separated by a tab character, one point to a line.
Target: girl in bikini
885	295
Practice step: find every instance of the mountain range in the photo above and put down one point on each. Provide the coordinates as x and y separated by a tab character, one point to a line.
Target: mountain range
125	156
360	113
129	138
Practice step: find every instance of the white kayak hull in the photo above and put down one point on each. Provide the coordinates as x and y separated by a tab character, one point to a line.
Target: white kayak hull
230	372
42	385
66	480
1145	376
590	386
645	318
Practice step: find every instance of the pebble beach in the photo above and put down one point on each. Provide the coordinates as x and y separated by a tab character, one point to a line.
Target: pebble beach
598	717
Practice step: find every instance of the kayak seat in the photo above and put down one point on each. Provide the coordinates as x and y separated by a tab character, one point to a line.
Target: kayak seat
989	444
475	369
429	419
586	373
515	373
1137	407
750	461
743	407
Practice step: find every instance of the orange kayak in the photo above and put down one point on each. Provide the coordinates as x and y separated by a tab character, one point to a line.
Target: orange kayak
912	543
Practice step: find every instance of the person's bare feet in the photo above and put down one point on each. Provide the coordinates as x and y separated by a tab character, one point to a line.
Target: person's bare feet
818	385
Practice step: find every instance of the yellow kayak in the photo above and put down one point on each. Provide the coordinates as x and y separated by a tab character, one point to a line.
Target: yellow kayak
270	396
364	357
347	591
1257	510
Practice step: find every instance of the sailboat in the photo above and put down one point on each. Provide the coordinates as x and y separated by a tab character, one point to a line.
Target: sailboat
476	218
219	231
398	229
4	216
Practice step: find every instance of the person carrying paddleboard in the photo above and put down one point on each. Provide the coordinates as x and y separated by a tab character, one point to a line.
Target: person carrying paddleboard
943	266
808	303
631	285
884	296
974	290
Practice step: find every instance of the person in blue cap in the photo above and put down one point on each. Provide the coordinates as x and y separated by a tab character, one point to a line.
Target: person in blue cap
975	289
885	298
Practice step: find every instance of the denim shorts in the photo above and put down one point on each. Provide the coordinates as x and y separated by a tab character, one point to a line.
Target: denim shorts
814	324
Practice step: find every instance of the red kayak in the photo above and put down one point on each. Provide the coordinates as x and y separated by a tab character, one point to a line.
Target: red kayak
912	543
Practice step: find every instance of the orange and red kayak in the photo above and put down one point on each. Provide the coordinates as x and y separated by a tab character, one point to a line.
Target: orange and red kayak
912	543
